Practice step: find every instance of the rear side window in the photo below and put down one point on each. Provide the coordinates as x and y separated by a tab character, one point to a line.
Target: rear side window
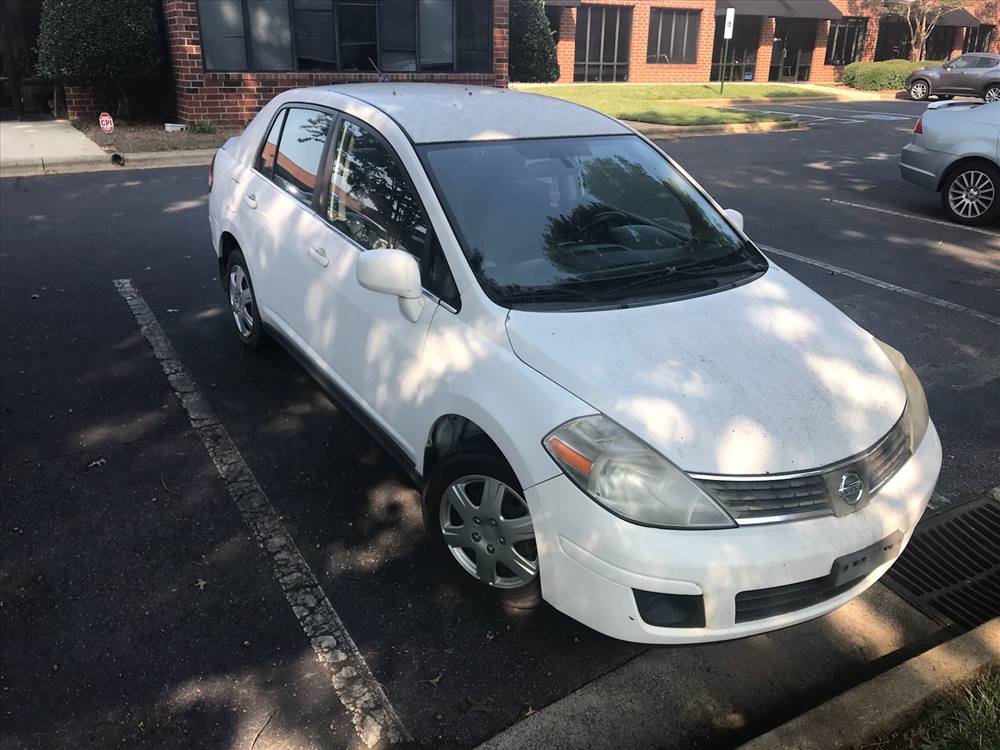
300	152
265	162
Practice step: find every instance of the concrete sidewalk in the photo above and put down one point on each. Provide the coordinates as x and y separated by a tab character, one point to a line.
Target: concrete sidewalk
31	143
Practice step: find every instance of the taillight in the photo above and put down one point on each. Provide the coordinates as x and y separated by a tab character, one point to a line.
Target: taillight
919	127
211	171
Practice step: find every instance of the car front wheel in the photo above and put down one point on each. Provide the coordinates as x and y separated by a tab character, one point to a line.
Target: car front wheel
992	93
243	301
920	90
971	194
480	525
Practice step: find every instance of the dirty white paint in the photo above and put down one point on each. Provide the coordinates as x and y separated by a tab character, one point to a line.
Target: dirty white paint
373	716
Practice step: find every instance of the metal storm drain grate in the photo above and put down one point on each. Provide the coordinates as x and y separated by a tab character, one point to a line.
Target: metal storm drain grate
951	568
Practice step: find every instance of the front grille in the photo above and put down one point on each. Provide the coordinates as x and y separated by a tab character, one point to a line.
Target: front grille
753	501
764	499
763	603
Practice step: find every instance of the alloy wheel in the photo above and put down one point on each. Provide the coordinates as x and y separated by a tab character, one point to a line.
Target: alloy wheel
971	194
992	94
241	300
918	91
488	530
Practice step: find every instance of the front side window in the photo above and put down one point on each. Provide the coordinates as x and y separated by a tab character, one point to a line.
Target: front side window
300	152
673	36
846	42
353	35
374	203
584	221
965	61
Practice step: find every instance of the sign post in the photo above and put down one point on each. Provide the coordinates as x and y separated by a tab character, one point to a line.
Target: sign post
727	35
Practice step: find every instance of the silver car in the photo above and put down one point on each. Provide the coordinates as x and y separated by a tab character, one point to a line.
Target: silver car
956	150
972	74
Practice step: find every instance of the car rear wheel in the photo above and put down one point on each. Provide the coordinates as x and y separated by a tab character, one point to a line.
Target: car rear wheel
243	302
920	90
971	194
480	525
992	93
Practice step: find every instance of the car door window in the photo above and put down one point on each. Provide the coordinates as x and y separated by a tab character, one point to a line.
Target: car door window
965	61
300	151
986	62
268	152
374	203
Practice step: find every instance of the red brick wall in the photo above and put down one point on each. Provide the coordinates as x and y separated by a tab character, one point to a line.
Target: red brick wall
85	102
566	45
763	67
234	98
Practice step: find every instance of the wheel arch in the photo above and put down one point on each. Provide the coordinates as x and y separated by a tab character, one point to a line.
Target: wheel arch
963	162
227	245
452	433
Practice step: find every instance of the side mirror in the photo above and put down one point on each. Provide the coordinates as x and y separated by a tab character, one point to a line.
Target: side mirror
735	216
396	272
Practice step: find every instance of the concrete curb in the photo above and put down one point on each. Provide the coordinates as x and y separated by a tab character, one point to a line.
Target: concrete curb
652	130
68	164
885	703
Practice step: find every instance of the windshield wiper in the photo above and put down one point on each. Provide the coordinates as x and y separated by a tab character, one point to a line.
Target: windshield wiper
701	272
558	293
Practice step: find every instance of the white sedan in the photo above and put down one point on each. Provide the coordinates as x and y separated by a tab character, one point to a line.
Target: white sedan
611	399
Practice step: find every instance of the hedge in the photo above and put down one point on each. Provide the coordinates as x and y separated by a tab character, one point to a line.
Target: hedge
877	76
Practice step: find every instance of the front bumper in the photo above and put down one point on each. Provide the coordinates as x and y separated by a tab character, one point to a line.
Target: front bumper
922	166
591	562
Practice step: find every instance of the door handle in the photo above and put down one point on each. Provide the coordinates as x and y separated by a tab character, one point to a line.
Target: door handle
318	254
251	200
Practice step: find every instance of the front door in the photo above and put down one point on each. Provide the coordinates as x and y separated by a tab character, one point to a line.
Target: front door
791	56
958	75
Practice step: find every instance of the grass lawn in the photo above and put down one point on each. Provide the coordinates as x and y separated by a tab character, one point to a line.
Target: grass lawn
968	719
659	103
139	137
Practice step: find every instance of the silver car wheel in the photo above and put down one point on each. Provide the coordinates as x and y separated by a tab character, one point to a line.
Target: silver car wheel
971	194
992	94
918	91
241	301
488	530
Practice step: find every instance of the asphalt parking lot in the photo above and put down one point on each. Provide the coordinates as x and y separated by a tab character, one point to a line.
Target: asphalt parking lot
139	611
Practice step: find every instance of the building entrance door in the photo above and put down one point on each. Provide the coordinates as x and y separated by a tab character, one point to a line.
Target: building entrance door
791	56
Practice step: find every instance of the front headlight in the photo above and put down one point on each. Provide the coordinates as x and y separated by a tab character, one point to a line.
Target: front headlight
916	414
629	478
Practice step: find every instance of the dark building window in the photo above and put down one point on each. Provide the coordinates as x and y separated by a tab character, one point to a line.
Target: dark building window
673	36
603	33
846	43
978	38
326	35
940	43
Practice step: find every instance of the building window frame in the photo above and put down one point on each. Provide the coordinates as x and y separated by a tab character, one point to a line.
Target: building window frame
657	27
250	67
979	38
585	67
850	51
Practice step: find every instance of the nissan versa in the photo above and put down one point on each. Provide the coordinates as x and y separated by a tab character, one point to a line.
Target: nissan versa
611	399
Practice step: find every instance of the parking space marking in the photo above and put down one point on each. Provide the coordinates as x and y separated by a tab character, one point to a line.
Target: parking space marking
854	111
368	706
801	116
953	306
913	217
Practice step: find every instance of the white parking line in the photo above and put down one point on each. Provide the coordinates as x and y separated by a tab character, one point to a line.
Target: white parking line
368	706
800	116
853	111
955	307
914	217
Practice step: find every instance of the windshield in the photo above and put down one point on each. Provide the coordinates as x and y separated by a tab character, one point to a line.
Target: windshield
584	221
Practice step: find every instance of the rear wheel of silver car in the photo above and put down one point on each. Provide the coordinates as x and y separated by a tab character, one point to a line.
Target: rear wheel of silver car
480	524
971	193
992	93
920	90
243	301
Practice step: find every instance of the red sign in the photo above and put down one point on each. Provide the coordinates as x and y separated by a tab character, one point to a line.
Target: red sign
107	124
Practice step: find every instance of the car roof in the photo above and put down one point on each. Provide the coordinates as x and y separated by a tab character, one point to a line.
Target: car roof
441	112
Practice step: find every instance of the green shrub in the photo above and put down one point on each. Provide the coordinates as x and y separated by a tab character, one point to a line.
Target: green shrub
532	48
204	126
110	40
877	76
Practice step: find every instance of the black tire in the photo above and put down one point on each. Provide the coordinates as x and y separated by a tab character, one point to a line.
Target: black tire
921	92
253	338
945	97
449	470
992	93
972	171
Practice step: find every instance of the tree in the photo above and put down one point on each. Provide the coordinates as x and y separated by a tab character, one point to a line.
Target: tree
532	48
921	16
107	43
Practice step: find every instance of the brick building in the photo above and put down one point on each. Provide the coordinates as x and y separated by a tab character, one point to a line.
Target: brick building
680	41
229	57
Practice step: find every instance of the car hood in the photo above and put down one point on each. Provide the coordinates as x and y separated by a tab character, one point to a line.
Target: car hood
764	378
